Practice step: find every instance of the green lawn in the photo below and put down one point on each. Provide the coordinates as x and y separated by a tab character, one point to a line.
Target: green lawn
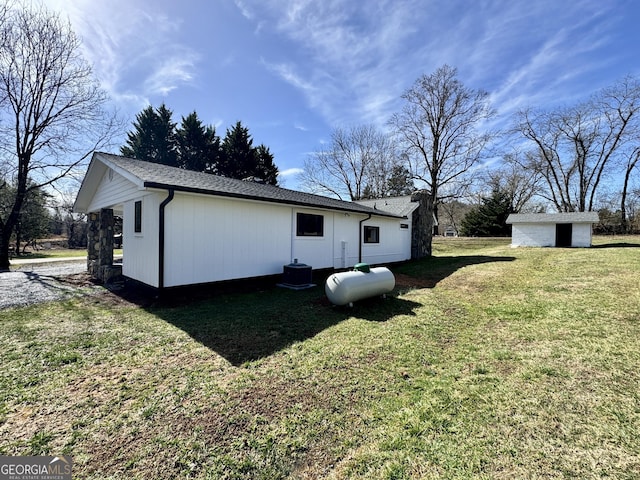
486	362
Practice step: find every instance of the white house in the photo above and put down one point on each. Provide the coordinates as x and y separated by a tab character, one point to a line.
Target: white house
552	230
182	227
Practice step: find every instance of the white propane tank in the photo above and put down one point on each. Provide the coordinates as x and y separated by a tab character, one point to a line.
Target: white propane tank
344	288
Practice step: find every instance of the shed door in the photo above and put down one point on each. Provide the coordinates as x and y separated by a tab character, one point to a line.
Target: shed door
563	234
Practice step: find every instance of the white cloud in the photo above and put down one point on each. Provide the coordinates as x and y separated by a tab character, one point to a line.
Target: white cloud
171	73
353	60
290	172
131	46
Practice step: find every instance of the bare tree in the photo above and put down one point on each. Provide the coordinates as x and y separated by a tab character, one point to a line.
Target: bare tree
52	111
357	163
439	129
575	146
518	183
631	163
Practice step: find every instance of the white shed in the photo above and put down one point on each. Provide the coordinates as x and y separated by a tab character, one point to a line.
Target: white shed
182	227
552	229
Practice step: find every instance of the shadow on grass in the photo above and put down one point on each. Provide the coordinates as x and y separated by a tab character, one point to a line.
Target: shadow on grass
617	245
247	327
247	320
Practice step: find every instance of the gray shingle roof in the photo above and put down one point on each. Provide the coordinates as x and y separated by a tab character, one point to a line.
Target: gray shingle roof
402	206
154	175
573	217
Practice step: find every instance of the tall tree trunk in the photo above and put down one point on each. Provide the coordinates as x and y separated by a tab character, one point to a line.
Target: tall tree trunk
4	251
627	175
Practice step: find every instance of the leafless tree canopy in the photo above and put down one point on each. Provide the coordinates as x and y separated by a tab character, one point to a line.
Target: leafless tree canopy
575	147
52	111
359	160
439	129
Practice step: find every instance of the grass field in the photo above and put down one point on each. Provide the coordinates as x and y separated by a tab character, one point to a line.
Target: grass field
486	362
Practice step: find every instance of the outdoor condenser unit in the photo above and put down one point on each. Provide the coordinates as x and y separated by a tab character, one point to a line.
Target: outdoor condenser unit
297	275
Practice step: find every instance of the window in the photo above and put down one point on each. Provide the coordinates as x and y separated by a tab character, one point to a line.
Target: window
137	222
308	225
404	226
371	234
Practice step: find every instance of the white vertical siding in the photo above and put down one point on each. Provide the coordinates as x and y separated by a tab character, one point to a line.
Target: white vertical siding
140	250
533	235
395	243
209	239
581	235
112	190
345	240
314	251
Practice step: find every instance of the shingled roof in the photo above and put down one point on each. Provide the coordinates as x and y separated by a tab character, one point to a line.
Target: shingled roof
402	206
571	217
153	175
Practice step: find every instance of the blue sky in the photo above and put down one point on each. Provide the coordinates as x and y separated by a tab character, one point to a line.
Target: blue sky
292	71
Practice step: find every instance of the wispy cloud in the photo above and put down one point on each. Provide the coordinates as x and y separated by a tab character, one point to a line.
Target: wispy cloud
353	60
290	172
350	52
131	46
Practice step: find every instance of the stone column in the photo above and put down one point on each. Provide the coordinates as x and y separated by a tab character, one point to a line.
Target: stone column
422	220
105	254
100	247
93	244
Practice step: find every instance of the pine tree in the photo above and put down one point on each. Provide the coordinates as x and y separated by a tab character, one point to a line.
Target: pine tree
400	182
198	146
240	159
165	141
153	138
490	218
266	169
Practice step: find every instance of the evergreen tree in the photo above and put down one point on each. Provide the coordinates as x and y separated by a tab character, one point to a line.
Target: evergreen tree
194	146
240	159
153	138
400	182
198	146
266	169
489	219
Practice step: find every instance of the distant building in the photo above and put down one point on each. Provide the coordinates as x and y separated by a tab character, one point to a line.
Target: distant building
552	229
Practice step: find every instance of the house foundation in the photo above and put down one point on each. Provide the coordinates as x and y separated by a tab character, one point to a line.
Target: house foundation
100	247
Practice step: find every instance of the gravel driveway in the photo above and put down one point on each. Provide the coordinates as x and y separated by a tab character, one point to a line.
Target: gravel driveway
34	283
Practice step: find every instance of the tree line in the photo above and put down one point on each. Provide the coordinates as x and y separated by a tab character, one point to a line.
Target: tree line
571	158
194	146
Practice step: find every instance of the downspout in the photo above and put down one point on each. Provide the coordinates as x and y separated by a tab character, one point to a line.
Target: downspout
164	203
360	238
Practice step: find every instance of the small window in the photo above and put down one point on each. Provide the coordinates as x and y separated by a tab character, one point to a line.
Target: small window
404	226
308	225
371	234
137	222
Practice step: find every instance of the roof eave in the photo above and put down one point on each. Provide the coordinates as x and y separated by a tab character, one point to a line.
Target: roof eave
257	198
